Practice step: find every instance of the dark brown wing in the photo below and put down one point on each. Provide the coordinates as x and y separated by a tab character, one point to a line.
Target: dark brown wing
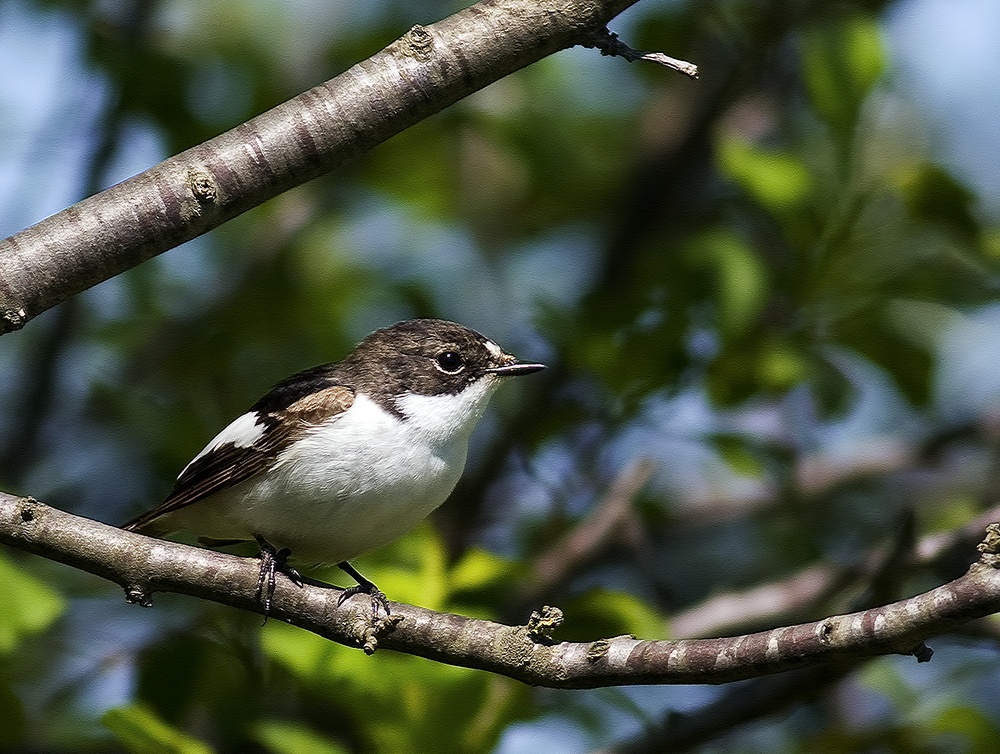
228	464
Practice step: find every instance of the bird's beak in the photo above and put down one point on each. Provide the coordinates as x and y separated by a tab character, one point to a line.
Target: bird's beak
513	367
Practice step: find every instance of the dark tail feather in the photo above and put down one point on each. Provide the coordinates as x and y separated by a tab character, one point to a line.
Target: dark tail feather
146	524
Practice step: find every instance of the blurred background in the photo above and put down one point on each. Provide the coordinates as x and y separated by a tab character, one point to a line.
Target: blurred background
770	300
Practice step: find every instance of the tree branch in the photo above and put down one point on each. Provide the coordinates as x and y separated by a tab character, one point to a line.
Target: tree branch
143	565
427	69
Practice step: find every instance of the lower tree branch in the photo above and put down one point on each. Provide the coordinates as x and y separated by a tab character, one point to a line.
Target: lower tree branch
143	565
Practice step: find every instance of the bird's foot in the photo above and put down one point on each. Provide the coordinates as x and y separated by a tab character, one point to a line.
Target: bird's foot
364	586
272	561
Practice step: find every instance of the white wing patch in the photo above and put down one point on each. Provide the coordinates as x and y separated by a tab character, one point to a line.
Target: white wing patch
242	432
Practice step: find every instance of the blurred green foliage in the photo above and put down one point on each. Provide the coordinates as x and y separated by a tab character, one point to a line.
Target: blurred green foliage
765	281
140	731
29	606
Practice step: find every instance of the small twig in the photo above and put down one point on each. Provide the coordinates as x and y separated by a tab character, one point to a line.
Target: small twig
609	44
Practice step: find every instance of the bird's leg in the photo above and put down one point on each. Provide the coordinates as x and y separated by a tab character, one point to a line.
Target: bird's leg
271	562
364	586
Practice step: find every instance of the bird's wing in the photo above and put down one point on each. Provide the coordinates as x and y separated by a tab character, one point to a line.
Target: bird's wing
252	443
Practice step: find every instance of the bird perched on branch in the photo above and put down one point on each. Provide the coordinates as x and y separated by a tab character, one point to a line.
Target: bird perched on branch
339	459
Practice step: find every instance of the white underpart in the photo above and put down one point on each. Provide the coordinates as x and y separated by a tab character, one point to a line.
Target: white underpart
355	482
242	432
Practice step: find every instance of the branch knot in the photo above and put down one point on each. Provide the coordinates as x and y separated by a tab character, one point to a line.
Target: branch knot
202	186
417	43
542	623
990	546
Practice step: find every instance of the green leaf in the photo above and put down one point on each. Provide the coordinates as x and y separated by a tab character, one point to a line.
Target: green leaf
766	366
778	181
741	279
739	457
933	195
27	605
413	570
779	367
12	720
399	702
991	243
884	678
139	730
841	63
978	732
283	737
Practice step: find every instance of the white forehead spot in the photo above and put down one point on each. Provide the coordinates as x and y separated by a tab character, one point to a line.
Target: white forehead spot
494	349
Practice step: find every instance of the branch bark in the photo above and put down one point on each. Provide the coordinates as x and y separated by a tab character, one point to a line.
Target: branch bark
142	566
427	69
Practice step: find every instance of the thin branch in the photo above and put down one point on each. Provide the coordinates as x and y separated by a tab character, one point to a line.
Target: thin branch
609	44
142	566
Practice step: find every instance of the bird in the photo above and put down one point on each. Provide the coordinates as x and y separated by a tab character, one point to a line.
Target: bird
342	458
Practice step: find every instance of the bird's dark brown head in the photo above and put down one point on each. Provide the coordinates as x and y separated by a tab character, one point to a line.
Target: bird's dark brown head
430	357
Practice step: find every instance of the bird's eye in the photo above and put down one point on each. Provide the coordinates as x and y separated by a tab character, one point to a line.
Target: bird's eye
450	362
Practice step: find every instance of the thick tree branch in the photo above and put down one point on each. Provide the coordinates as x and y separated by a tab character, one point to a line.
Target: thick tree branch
427	69
143	565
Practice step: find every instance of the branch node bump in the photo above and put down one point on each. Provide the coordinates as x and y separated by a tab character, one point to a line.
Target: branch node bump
598	649
138	595
28	509
990	546
542	623
609	44
922	652
375	628
826	631
417	43
14	318
202	186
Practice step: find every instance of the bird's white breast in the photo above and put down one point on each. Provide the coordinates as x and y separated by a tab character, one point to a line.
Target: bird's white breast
354	482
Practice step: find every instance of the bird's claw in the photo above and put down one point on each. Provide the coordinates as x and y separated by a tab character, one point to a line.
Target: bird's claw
378	598
271	562
364	586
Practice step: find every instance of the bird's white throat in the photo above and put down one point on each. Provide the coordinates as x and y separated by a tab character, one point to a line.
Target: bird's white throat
446	417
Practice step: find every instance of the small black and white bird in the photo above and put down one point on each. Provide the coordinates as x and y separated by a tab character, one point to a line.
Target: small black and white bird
342	458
